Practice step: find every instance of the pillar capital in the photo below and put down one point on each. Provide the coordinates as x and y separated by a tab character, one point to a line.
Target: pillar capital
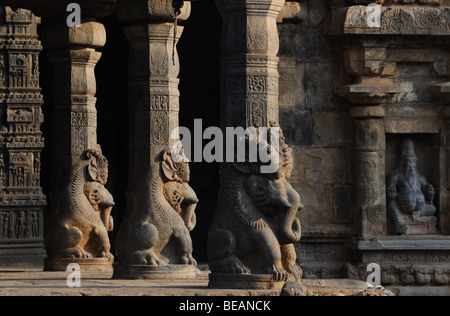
250	7
139	11
292	12
57	35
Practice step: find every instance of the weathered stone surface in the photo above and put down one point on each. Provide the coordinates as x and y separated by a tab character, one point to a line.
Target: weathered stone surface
322	165
50	8
410	207
343	92
77	225
404	20
154	240
21	198
255	224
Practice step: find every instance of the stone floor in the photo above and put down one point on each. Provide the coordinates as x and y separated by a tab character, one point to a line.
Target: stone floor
29	282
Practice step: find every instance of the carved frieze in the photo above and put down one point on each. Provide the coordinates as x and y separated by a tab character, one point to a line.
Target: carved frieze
395	20
21	141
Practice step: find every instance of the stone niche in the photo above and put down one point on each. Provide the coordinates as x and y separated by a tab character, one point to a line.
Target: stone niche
398	103
424	149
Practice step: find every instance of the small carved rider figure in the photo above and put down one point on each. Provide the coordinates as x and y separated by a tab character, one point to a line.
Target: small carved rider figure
409	195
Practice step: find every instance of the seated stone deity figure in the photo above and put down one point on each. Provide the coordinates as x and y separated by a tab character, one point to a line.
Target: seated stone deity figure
410	197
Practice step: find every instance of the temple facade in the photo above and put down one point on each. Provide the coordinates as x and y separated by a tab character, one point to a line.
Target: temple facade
357	93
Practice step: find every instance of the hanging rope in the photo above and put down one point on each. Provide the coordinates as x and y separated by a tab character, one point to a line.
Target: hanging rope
177	5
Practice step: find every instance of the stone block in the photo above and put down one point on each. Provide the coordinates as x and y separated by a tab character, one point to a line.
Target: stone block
291	83
298	126
412	118
321	80
332	129
318	203
322	165
342	203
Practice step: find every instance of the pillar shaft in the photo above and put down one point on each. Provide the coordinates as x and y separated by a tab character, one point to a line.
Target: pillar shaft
370	148
154	240
250	243
77	227
250	45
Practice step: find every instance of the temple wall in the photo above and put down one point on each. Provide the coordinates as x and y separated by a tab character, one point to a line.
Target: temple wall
349	98
317	126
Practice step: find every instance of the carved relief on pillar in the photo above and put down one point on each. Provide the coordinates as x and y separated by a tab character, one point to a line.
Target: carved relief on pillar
21	141
256	224
78	223
20	225
154	240
78	230
251	241
163	242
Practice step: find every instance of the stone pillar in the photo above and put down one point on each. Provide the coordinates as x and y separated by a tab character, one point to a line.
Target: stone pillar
366	59
441	94
154	240
21	199
77	226
250	45
370	148
250	244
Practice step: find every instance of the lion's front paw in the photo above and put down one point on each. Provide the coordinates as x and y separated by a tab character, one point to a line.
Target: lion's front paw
188	259
279	274
107	254
78	253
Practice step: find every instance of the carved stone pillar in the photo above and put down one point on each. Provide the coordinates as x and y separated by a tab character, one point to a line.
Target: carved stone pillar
76	228
441	93
370	147
250	244
154	240
366	60
21	142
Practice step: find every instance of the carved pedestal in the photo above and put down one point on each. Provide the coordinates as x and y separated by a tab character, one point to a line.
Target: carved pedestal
250	243
401	212
76	228
154	240
21	142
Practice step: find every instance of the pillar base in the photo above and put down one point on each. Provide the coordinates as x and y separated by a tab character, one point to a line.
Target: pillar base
24	255
95	264
168	272
243	281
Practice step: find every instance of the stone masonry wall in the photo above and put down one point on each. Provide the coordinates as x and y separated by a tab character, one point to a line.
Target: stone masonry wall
317	126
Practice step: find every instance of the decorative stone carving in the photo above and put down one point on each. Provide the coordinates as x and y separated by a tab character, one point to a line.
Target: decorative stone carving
251	240
78	222
376	56
163	238
79	229
52	8
256	224
410	197
21	199
395	20
154	241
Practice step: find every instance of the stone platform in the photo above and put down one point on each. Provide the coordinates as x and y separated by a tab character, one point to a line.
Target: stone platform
28	282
